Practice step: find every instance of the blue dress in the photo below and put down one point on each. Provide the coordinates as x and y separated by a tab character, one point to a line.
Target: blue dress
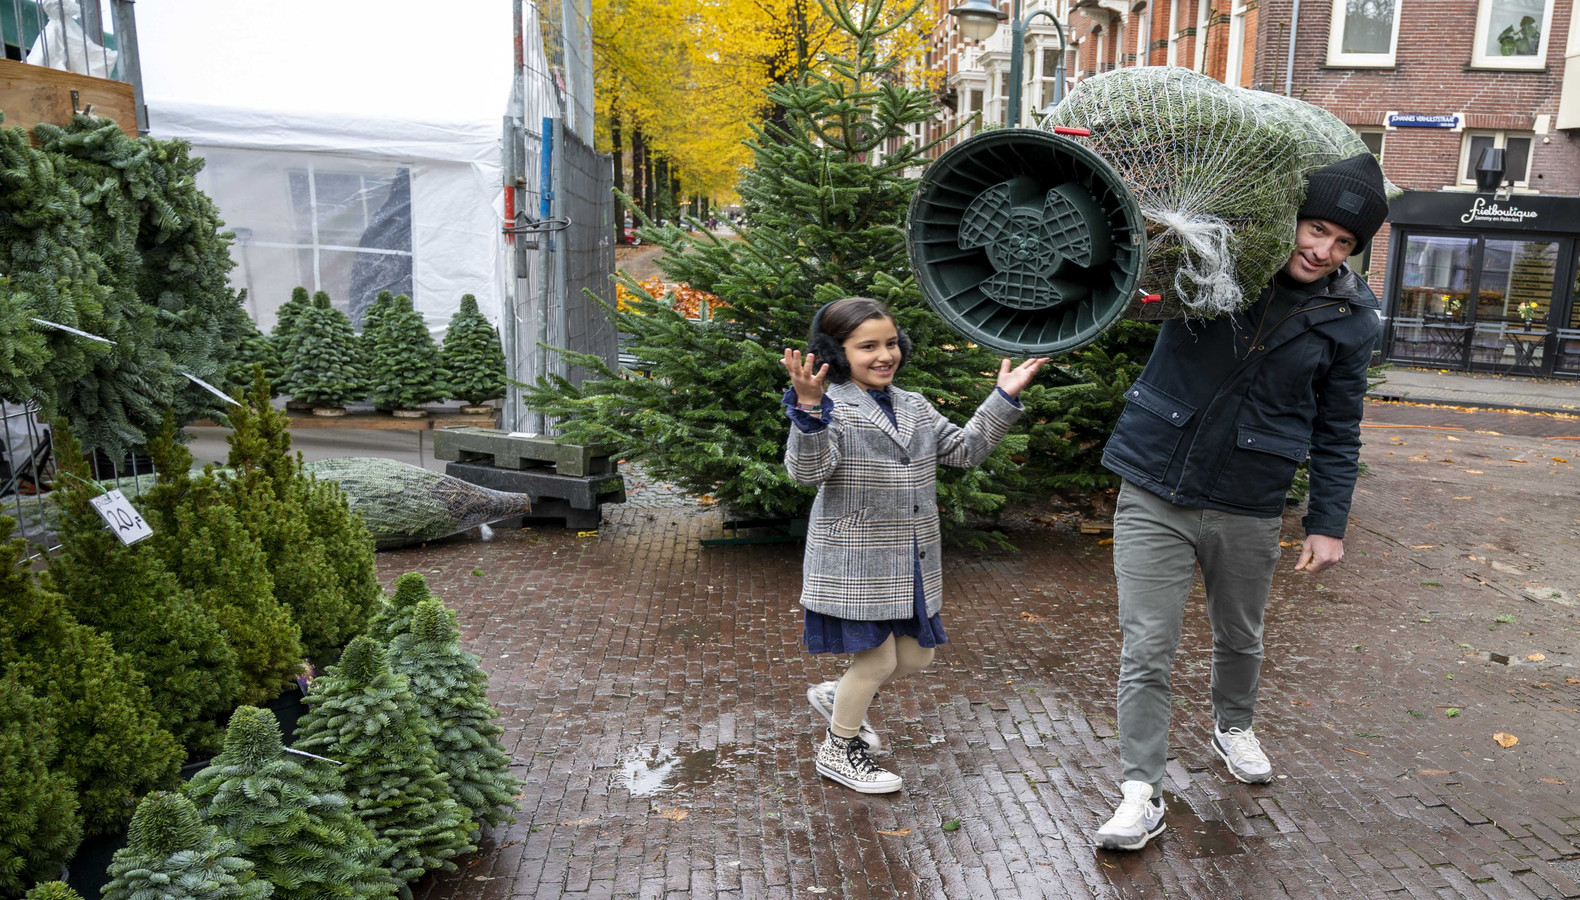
831	634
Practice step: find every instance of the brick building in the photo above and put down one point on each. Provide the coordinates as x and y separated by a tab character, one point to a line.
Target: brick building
1430	85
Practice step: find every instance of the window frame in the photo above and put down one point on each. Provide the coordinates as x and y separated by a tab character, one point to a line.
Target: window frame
1479	58
1144	36
1198	61
1234	62
1173	56
1500	139
1339	59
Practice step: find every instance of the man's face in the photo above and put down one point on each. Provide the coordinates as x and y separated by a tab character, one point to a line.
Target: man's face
1320	248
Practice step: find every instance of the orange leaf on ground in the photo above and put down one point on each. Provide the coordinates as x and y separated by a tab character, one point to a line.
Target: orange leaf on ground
1505	740
1357	752
1536	657
1030	616
673	815
1300	703
900	832
1435	772
1104	542
1422	546
1551	780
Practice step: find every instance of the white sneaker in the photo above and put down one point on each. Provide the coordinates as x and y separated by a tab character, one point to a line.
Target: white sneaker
1242	753
846	761
1138	819
821	696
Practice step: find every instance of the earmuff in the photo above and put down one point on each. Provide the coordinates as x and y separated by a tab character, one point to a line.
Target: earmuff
830	351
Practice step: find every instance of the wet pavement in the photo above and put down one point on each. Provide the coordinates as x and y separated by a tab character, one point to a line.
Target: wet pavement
653	695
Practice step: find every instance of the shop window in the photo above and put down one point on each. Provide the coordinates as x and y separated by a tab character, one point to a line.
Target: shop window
1435	282
1236	55
1516	155
1512	34
1515	273
1364	33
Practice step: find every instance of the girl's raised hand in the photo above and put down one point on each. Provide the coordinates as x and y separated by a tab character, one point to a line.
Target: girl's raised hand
807	380
1013	381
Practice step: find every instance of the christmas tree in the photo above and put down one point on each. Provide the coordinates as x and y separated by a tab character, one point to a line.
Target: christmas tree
285	321
127	593
404	368
199	538
317	552
393	616
289	815
53	890
373	322
828	213
109	740
366	717
170	854
473	356
452	695
254	350
323	363
39	826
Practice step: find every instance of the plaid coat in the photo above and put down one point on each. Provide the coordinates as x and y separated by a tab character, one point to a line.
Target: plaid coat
876	512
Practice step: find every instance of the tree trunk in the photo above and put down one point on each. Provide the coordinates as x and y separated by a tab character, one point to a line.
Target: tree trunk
655	172
619	177
638	157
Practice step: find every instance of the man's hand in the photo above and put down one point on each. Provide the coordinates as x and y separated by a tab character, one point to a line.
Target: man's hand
1319	552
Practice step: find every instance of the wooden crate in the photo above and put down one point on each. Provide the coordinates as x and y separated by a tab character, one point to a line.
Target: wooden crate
30	95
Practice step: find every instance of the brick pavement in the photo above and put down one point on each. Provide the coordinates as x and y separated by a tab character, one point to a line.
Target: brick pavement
652	692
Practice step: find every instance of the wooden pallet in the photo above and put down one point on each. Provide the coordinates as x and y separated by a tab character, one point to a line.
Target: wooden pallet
506	450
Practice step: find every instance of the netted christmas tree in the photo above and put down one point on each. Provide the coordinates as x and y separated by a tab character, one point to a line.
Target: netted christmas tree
392	618
39	825
452	694
323	361
53	890
285	321
109	740
200	539
473	356
365	716
317	552
171	855
289	816
404	368
127	593
827	212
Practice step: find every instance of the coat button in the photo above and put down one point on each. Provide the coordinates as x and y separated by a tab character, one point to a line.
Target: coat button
1341	309
1135	393
1174	415
1261	346
905	460
916	508
1250	440
922	555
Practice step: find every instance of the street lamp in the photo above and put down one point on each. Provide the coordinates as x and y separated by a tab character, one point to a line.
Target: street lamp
980	18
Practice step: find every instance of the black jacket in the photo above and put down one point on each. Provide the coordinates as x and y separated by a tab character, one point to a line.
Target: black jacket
1218	421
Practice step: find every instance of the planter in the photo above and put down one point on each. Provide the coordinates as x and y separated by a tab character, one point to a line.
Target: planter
482	410
409	413
298	405
329	411
289	709
89	869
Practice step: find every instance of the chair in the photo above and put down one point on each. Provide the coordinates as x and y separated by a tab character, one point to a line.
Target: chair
1487	343
1410	340
1568	361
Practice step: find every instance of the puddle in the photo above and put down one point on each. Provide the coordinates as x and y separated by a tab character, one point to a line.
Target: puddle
1199	838
648	770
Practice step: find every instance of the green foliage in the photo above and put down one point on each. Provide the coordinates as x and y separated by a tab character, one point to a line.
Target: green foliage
200	539
255	349
404	367
322	358
109	740
285	320
452	695
289	815
39	826
473	356
128	595
53	890
366	717
317	552
392	618
828	219
171	855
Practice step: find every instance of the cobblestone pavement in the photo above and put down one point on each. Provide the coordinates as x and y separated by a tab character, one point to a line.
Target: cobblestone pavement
653	695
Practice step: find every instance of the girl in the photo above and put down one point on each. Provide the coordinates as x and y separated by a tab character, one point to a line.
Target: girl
871	582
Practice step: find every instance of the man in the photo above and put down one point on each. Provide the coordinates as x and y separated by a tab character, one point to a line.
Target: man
1208	445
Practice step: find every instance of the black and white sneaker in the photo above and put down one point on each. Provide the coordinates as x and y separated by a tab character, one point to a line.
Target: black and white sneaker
821	696
1242	753
1138	819
845	760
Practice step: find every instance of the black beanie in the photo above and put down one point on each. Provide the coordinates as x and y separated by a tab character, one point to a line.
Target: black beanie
1349	194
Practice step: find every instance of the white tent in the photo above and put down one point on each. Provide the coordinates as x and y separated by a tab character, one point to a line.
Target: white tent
353	146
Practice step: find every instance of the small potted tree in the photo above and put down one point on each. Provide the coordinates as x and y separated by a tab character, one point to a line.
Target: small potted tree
474	358
170	854
323	362
405	370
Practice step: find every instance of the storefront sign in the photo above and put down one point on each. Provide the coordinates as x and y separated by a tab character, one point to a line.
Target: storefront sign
1416	120
1484	210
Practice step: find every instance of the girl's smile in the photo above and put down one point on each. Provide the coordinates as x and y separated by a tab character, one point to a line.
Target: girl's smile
873	351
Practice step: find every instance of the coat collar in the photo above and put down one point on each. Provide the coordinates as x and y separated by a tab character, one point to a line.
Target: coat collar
851	394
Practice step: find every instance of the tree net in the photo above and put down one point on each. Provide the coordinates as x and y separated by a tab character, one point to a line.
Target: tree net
404	504
1219	173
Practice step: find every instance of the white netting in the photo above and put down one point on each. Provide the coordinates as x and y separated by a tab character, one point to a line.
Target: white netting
1219	173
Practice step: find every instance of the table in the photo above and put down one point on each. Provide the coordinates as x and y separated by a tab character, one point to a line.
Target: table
1447	341
1525	345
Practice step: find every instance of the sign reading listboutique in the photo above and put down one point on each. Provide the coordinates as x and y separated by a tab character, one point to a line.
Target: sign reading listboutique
1454	210
1483	210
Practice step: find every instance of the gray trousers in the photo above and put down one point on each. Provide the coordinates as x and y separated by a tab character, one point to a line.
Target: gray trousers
1157	546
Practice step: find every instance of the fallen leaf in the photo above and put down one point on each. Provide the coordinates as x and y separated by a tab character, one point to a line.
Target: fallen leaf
1572	680
593	533
673	815
1505	740
1435	772
1422	546
1286	543
1551	780
898	832
1300	703
1357	752
1473	471
952	825
1559	459
1030	616
575	822
1535	657
1511	459
1464	498
1105	542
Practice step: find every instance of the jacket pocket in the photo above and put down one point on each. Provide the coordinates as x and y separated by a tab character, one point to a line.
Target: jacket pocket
1149	429
838	526
1260	468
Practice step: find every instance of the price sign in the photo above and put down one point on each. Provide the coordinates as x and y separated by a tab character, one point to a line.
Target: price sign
122	518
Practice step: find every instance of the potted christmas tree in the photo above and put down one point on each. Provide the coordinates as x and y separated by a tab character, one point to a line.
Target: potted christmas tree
393	616
170	854
39	826
365	716
452	694
323	364
255	349
289	816
474	358
284	328
405	370
53	890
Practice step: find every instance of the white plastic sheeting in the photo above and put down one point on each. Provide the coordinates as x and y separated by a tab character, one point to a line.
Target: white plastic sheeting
351	205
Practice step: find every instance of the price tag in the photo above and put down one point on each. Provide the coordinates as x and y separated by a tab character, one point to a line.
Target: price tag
122	518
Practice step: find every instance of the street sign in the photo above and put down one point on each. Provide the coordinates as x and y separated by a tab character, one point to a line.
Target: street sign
1416	120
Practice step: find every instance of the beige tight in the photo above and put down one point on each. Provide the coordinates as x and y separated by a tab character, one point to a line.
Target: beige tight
870	670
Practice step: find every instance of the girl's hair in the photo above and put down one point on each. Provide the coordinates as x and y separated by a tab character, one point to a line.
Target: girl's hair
836	321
